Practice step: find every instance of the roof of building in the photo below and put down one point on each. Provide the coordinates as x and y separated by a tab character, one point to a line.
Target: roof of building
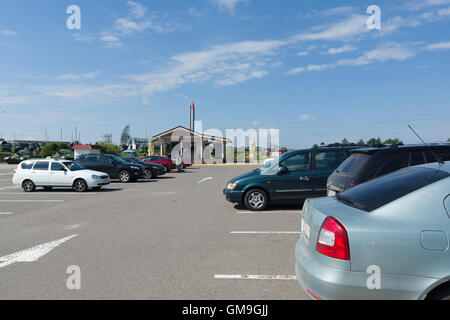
86	147
203	136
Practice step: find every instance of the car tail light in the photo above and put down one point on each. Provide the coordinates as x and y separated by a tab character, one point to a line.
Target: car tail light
333	240
15	170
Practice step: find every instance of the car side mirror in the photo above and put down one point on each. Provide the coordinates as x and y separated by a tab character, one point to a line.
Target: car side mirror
282	170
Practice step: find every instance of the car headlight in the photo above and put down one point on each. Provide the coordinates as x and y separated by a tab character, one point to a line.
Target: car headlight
134	168
231	186
95	177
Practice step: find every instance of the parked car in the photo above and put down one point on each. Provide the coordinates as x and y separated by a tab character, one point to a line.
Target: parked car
385	239
160	160
369	163
294	176
50	173
152	170
114	166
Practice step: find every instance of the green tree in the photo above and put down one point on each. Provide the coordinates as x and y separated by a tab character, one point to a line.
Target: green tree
361	142
345	141
448	140
109	148
51	148
374	142
393	141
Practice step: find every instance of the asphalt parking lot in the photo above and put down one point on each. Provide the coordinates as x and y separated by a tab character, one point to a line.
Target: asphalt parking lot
171	238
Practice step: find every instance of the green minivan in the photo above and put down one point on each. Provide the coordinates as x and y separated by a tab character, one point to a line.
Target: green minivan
292	177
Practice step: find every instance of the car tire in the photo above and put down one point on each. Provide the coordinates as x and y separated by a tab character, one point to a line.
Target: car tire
442	294
80	186
256	200
28	186
149	174
125	177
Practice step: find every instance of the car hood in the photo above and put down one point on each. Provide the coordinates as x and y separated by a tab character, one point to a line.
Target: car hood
88	172
246	175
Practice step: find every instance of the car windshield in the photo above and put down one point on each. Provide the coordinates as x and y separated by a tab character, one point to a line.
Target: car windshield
73	166
379	192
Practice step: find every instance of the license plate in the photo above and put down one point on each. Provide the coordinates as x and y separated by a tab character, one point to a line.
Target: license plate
331	193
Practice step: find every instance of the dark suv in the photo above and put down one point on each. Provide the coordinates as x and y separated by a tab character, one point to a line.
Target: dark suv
369	163
114	166
290	178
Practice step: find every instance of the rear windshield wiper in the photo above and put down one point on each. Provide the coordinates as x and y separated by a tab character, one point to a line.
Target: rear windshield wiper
351	202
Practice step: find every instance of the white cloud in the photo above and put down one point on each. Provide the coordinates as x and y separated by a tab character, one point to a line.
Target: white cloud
353	26
444	12
420	4
194	12
343	49
82	37
302	53
137	9
438	46
8	33
71	76
307	117
222	65
229	5
391	51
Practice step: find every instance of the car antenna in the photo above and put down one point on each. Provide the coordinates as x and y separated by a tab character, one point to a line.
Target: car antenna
439	160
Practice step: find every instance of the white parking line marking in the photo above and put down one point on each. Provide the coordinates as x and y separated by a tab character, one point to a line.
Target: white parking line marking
31	200
32	254
5	213
253	277
6	174
3	180
265	232
206	179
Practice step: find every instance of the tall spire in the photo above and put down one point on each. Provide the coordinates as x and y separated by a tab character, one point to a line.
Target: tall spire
192	116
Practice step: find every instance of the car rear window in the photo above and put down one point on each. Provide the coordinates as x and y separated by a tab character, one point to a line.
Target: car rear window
352	165
379	192
27	165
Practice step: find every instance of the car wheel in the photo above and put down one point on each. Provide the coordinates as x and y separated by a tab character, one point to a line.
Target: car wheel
80	186
148	174
443	294
256	200
124	177
28	186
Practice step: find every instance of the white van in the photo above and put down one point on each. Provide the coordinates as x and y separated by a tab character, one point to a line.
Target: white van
49	173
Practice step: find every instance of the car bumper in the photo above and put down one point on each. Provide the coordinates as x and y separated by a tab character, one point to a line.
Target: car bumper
325	283
99	183
233	196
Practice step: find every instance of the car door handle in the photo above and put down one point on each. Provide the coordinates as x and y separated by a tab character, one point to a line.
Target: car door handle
305	178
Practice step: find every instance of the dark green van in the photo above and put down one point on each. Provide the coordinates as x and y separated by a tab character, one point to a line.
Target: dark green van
293	177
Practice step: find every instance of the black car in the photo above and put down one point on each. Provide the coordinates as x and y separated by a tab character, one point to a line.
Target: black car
114	166
152	170
369	163
293	177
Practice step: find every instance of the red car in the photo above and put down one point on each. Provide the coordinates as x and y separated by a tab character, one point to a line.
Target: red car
160	160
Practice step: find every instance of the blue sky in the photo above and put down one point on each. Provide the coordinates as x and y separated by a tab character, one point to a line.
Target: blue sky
309	68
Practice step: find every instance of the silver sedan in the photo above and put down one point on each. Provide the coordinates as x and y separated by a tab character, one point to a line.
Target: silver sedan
385	239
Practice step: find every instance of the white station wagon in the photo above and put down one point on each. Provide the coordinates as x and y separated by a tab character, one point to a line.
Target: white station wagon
49	173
